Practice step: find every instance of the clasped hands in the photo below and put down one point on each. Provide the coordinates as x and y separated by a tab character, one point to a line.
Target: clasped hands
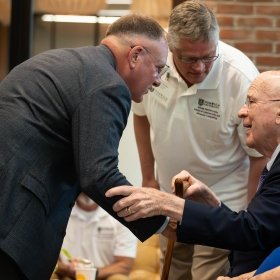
147	202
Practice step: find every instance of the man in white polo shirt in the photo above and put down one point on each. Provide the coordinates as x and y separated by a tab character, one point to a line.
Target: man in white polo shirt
95	235
190	122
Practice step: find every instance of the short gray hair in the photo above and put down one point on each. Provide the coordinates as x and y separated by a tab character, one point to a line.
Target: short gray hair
194	21
136	24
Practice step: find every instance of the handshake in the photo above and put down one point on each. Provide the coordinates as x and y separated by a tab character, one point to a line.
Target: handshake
147	202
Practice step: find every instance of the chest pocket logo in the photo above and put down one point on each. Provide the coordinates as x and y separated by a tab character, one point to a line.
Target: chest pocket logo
207	109
105	232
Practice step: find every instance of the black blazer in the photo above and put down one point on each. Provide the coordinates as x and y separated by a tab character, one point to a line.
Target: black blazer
251	234
62	114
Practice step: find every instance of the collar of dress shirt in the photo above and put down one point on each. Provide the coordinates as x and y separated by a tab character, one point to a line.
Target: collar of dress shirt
272	159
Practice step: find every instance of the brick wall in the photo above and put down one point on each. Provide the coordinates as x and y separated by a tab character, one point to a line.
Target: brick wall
253	27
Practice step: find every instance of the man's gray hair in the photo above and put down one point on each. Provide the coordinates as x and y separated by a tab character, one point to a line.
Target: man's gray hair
136	24
194	21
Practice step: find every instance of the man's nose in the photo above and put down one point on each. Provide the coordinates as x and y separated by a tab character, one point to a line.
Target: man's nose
157	82
243	112
198	65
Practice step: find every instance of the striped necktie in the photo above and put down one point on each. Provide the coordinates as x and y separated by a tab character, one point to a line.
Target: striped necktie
262	177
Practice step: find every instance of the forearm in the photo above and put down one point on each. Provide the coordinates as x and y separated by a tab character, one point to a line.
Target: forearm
120	267
146	202
143	141
273	274
173	207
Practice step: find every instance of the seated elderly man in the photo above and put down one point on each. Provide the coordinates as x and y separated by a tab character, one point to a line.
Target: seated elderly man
202	218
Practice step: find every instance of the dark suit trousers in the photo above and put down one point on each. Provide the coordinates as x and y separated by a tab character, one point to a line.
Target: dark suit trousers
9	268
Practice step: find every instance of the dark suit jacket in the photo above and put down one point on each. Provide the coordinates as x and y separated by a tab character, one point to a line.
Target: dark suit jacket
251	234
62	114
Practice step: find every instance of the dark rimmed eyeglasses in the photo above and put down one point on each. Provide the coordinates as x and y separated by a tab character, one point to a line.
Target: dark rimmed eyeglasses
193	60
249	102
161	70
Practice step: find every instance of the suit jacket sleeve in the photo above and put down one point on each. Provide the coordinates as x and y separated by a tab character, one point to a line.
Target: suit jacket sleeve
97	128
258	227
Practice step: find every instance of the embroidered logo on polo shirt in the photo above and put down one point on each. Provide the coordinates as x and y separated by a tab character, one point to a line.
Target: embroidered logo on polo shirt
105	232
207	109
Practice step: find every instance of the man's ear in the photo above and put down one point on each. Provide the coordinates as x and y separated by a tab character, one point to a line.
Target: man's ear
134	55
277	121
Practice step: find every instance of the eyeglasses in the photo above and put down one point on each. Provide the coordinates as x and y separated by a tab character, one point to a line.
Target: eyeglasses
249	102
161	70
193	60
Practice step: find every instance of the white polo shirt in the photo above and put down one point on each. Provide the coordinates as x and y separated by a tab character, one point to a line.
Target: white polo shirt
197	128
97	236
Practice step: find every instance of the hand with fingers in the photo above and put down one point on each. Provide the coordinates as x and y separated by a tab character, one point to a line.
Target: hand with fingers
145	202
196	190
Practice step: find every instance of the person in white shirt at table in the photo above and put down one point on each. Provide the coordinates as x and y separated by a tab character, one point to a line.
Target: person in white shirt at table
95	235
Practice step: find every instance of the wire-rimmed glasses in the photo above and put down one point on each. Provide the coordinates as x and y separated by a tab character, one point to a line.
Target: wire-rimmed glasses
161	70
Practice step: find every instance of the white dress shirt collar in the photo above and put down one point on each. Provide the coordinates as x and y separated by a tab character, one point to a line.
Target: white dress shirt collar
273	157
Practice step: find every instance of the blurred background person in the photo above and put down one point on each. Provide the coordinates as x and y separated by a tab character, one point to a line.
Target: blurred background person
94	235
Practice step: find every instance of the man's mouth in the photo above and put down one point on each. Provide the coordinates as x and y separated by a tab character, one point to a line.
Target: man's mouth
247	126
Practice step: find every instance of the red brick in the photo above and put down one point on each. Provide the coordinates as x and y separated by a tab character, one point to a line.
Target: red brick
270	35
268	60
254	21
225	21
234	9
212	5
266	68
233	34
254	47
271	9
278	48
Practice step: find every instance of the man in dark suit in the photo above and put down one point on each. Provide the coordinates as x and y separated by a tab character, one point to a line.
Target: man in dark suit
62	114
251	234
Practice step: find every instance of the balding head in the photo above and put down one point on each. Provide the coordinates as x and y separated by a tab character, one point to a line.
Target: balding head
261	114
136	25
139	46
267	85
